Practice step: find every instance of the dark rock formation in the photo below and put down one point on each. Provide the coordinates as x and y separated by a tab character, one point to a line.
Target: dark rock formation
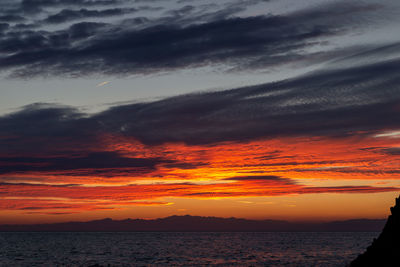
385	250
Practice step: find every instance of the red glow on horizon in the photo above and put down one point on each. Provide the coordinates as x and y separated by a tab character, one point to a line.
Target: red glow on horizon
264	168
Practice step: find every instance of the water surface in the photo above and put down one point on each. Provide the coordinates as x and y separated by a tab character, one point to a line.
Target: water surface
181	249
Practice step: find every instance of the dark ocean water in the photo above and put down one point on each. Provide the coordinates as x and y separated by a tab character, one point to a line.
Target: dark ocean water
181	249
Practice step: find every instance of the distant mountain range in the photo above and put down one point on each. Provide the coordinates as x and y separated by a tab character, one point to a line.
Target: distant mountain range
200	224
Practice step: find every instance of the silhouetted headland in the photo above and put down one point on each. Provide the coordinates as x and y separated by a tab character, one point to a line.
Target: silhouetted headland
384	251
200	224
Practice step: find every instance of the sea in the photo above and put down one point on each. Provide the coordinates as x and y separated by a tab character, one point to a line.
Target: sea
181	249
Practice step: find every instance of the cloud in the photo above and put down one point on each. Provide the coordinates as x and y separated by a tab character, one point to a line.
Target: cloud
44	127
335	103
4	26
35	6
102	84
269	179
11	18
99	162
394	151
392	134
76	198
51	213
67	206
183	138
185	165
182	39
66	15
56	159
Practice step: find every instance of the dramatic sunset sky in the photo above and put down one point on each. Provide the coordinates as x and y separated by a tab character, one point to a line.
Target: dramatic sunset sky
260	109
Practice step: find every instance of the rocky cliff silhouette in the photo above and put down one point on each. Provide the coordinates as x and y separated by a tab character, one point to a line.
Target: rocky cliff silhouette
385	250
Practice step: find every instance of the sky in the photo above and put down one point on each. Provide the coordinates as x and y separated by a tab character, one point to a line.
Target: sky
259	109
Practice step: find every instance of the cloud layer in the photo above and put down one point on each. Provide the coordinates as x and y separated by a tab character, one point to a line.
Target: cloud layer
36	198
334	130
191	36
253	141
358	100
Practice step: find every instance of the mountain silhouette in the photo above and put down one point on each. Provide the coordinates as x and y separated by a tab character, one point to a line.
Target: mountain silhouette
189	223
384	251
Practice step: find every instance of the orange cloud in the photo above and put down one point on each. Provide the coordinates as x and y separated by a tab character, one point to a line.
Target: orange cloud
124	172
78	198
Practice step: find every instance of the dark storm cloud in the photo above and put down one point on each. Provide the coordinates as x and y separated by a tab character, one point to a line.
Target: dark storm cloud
3	27
69	14
185	1
43	129
34	6
362	100
94	160
333	103
394	151
11	18
182	11
185	38
30	10
62	11
80	31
